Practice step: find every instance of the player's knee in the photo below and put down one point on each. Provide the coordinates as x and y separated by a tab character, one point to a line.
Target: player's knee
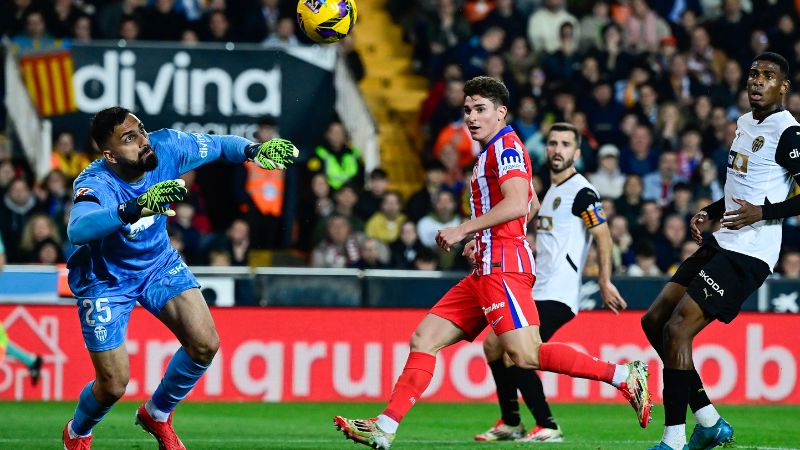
523	359
204	350
492	349
111	388
674	331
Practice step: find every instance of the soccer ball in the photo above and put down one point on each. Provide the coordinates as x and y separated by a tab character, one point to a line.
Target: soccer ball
326	21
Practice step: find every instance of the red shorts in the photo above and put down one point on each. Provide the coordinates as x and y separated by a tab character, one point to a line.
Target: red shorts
502	300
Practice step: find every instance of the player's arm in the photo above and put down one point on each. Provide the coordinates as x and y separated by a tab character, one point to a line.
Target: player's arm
589	208
513	206
197	149
787	156
90	220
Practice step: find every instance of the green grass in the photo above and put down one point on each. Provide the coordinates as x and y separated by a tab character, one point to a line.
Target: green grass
29	425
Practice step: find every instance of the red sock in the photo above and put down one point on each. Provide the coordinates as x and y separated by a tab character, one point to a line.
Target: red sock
412	383
562	358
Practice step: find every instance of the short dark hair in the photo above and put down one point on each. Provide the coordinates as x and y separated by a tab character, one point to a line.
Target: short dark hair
566	126
776	58
378	174
489	88
104	122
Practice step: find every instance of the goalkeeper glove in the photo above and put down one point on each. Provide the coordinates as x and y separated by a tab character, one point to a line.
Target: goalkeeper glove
155	200
273	154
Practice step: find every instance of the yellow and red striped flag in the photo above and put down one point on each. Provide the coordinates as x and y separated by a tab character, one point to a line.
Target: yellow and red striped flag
48	78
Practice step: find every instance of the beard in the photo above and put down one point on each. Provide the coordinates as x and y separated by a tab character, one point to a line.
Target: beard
145	163
565	164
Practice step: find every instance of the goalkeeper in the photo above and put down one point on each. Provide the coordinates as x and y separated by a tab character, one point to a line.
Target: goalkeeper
121	203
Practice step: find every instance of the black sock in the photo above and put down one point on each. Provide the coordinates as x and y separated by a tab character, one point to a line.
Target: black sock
676	395
697	394
530	386
506	392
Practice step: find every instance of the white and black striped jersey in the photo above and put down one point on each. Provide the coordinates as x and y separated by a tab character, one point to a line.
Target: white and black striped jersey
569	209
762	161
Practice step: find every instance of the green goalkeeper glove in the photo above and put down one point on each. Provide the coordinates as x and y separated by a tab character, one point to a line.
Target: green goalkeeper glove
273	154
155	200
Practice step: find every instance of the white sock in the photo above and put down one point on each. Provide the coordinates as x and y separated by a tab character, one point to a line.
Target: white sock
621	373
707	416
155	413
675	436
73	434
387	424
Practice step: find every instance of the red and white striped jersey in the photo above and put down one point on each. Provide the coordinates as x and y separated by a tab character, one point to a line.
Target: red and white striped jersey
501	248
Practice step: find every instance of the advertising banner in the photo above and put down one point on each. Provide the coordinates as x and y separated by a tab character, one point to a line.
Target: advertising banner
340	354
204	88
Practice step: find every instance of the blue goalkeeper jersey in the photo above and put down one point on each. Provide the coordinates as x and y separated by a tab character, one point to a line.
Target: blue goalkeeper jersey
114	256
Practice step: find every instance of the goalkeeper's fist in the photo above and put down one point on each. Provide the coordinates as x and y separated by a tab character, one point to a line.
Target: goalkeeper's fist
273	154
155	200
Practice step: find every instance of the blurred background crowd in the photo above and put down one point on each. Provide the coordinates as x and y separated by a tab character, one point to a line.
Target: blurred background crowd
655	87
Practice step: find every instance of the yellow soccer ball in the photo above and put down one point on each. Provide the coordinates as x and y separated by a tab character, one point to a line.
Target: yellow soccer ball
326	21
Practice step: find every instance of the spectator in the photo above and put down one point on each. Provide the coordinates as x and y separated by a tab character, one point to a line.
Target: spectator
525	122
219	258
645	265
790	265
630	203
705	181
591	268
18	205
729	29
48	252
235	241
647	108
687	249
589	144
65	158
668	245
38	228
608	180
592	25
706	63
191	237
519	61
385	224
644	29
52	194
262	20
421	202
604	113
475	51
668	126
640	157
678	85
681	203
622	251
369	202
352	58
161	22
565	62
109	17
443	216
129	28
62	18
426	260
613	59
727	89
649	228
82	29
545	23
445	31
344	201
406	248
505	15
374	255
284	35
690	154
218	27
658	185
340	248
339	161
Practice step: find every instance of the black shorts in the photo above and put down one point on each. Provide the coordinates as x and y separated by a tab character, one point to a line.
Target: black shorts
720	280
552	316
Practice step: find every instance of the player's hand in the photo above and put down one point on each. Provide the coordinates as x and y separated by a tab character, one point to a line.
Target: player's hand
154	201
698	225
449	237
469	251
611	297
747	214
275	154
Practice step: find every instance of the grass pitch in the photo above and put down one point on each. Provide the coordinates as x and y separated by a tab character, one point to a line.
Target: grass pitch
35	425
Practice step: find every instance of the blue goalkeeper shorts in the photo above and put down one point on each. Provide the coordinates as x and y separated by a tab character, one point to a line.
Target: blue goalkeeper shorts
104	320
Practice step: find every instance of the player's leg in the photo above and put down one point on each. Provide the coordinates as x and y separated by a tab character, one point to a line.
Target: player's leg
104	322
520	338
509	427
659	312
455	317
188	317
32	362
552	315
686	321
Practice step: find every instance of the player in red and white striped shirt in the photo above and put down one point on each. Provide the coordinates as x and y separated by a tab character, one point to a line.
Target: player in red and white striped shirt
498	292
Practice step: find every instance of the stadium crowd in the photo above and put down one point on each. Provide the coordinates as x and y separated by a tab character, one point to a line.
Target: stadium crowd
654	87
